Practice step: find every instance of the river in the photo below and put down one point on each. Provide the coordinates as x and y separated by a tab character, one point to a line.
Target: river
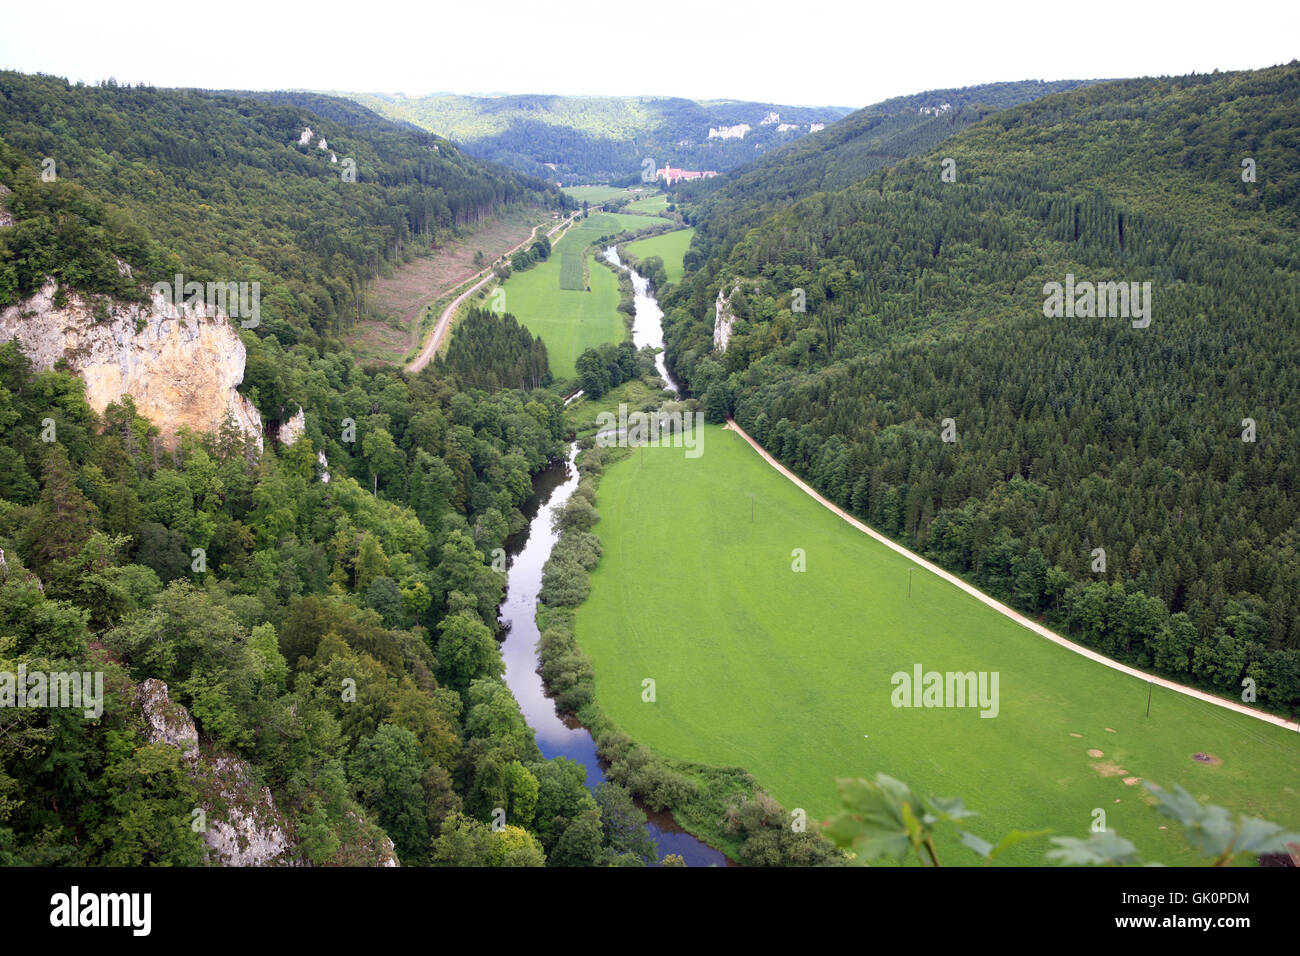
647	327
527	553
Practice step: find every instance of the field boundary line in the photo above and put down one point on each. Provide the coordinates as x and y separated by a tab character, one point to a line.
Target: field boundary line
1004	609
483	275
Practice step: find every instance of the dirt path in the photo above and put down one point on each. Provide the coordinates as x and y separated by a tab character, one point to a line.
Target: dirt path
1003	609
444	321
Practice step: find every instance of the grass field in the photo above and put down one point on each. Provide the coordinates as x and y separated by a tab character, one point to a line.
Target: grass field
652	206
595	193
789	674
671	246
552	301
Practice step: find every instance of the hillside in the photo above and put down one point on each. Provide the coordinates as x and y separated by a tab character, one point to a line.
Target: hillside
238	190
294	638
874	137
603	138
928	387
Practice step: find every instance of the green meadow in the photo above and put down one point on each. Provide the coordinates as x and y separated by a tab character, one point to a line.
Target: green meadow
670	246
789	674
652	206
594	194
552	300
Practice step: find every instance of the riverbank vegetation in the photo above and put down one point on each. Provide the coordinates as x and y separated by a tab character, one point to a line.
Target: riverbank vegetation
724	806
565	301
668	248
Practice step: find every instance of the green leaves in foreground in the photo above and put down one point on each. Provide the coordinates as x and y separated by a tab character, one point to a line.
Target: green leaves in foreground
1099	849
884	818
1213	831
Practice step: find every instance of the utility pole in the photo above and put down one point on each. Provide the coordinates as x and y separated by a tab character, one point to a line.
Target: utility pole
1150	684
909	582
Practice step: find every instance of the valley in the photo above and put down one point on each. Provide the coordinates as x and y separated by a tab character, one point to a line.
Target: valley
551	480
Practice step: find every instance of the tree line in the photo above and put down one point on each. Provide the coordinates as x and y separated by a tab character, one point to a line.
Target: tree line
1135	487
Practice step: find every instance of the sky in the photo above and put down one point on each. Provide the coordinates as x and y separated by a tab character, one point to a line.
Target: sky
798	52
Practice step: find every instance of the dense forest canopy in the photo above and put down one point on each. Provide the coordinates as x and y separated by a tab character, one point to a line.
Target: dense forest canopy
582	139
867	318
877	136
325	610
223	184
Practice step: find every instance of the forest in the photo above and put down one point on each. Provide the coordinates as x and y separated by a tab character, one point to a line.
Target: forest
492	351
222	183
875	137
326	610
584	139
1134	487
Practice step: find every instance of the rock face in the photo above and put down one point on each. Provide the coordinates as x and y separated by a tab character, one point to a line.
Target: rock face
729	132
180	364
292	430
250	831
243	825
169	723
6	217
723	318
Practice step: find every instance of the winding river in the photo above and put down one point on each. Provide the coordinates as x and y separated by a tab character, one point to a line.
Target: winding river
647	326
527	553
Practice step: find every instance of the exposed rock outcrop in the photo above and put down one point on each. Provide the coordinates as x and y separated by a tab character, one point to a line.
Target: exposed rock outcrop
6	217
290	431
243	826
723	318
179	363
168	722
247	828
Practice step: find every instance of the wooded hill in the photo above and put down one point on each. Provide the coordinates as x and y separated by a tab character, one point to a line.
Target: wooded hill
724	208
600	138
365	569
222	181
925	302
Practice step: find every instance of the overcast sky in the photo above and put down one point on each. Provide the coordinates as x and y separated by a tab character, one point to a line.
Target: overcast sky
800	52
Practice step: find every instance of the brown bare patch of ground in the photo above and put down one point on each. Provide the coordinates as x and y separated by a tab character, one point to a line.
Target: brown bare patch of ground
1107	769
1076	735
1130	781
1095	753
1110	730
396	302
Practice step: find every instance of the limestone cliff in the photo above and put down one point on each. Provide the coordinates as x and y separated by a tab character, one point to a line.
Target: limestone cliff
243	826
723	318
293	429
179	364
